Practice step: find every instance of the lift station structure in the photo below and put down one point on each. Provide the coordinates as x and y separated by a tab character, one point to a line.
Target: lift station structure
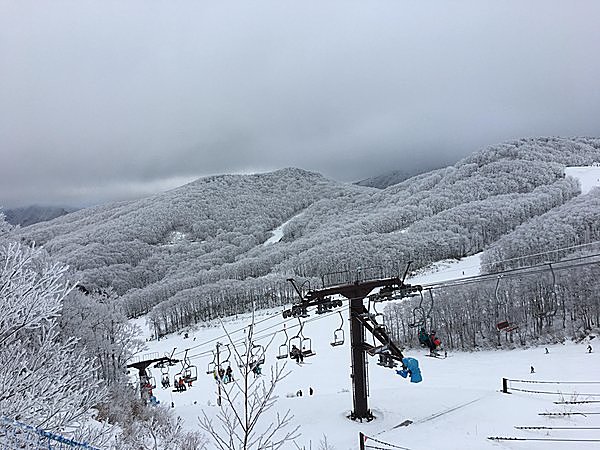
361	321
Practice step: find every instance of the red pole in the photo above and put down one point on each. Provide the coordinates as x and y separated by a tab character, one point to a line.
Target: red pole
362	441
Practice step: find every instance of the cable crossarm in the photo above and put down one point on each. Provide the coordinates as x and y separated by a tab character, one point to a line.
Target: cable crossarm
390	289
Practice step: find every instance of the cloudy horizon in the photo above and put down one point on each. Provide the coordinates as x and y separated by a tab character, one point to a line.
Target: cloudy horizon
111	100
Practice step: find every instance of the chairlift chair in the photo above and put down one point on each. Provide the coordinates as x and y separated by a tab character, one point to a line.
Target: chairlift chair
150	380
295	341
307	347
211	365
338	334
386	360
191	373
257	354
283	351
506	326
178	376
503	325
338	338
301	342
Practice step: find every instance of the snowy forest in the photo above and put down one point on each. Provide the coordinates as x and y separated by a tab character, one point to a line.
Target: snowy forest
221	244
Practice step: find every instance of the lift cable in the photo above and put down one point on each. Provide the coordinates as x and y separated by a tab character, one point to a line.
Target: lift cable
521	271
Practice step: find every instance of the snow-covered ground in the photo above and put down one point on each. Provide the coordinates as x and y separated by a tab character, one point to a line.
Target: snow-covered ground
277	233
457	406
588	176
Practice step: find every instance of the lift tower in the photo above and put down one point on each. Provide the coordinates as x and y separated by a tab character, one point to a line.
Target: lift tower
141	363
360	320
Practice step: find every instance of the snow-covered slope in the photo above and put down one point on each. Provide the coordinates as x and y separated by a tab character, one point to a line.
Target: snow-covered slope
457	406
588	176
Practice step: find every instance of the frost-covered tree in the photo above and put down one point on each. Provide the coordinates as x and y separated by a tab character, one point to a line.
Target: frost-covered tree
44	381
144	427
246	419
5	227
103	331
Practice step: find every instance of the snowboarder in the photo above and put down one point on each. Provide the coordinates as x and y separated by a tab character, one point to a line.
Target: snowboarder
532	370
547	350
299	393
310	391
589	349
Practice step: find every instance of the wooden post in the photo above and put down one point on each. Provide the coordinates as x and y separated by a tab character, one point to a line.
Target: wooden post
505	386
361	444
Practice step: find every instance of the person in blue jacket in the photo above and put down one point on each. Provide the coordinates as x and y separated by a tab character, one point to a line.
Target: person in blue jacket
410	368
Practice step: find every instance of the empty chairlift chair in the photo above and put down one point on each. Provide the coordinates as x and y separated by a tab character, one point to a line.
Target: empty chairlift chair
338	334
283	351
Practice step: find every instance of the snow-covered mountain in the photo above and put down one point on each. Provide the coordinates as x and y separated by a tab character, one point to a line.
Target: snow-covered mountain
33	214
198	251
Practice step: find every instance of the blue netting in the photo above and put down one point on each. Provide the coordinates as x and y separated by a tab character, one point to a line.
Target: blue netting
19	436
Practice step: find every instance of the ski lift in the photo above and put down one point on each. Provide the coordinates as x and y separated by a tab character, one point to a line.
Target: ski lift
225	367
386	360
301	342
420	315
150	380
211	365
282	353
503	325
548	308
379	325
190	372
257	354
338	335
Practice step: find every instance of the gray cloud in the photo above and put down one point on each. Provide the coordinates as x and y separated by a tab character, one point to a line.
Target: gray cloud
103	100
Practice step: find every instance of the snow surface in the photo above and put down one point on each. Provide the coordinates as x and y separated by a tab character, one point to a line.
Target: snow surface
278	232
589	177
457	406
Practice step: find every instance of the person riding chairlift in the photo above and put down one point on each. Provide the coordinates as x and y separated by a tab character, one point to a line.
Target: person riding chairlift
296	354
429	340
256	369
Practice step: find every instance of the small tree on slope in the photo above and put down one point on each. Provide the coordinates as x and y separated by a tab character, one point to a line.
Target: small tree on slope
246	401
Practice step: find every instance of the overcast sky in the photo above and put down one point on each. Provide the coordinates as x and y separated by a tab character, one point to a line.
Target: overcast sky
107	100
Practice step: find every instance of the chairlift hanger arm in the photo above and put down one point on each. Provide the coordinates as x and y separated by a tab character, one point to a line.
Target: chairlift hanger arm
406	271
296	288
381	335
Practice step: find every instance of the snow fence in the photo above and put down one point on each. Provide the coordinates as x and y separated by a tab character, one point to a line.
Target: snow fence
19	436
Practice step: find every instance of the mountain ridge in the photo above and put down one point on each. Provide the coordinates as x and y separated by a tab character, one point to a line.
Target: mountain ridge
198	249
